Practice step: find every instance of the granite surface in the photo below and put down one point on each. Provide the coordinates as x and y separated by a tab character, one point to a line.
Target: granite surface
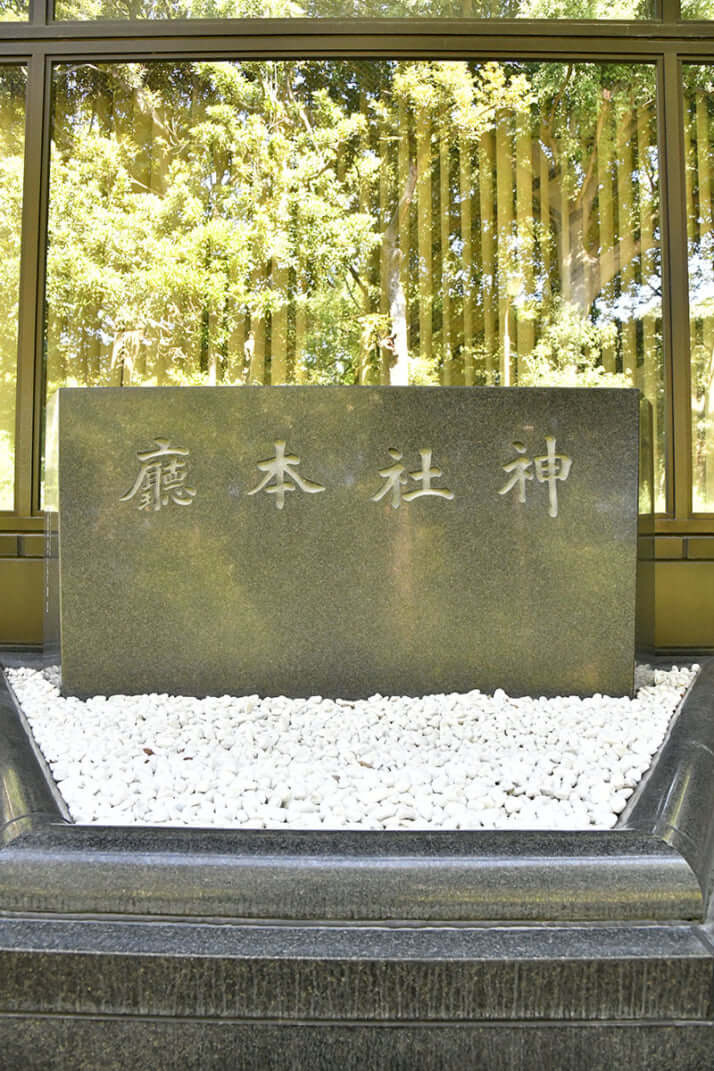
69	1043
335	875
675	799
90	979
28	795
357	876
316	973
346	541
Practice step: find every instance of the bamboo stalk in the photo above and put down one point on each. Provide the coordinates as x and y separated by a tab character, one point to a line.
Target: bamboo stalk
525	327
236	350
606	220
444	210
256	335
403	173
690	172
625	214
300	304
300	331
504	217
371	269
424	231
487	201
689	169
707	327
566	264
279	325
544	216
650	377
384	214
465	181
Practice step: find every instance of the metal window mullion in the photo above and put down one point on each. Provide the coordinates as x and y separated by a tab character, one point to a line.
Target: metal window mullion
674	256
670	10
675	286
29	318
40	12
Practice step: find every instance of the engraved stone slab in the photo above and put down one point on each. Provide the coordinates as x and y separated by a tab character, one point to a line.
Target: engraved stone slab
343	541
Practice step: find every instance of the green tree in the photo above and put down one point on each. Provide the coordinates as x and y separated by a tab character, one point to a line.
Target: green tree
354	222
12	100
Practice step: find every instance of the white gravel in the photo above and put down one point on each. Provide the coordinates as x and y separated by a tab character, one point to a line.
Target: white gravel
468	761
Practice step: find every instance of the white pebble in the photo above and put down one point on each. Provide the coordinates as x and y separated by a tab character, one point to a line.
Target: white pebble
468	761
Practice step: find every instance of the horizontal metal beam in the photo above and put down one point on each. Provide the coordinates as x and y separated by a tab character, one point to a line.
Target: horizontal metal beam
372	46
499	30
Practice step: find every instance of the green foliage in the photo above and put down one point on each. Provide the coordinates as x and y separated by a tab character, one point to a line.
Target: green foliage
353	222
509	9
12	97
568	352
190	202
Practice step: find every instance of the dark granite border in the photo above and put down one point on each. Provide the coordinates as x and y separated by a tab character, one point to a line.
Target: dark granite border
29	798
656	865
675	800
66	1043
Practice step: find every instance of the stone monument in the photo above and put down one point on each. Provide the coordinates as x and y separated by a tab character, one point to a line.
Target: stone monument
343	541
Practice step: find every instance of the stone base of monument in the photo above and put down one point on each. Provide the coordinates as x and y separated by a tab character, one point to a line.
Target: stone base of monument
167	948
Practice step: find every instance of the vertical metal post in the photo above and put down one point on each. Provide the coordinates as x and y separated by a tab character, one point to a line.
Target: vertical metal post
41	11
30	258
675	286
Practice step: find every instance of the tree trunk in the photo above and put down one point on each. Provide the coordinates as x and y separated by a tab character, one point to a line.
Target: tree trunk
467	256
606	221
525	325
256	337
397	370
444	210
487	204
397	362
625	229
504	207
279	326
705	230
424	232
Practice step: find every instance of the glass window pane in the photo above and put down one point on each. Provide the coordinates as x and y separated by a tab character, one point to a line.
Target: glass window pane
14	10
699	154
697	9
238	9
12	144
356	222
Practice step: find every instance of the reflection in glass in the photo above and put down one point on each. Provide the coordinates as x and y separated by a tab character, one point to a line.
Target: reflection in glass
699	155
356	222
238	9
697	9
14	10
12	138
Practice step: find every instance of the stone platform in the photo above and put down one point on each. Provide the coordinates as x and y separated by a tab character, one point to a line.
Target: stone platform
160	948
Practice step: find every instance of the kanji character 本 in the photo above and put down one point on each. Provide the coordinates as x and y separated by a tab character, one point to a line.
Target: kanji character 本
549	468
395	477
278	468
162	478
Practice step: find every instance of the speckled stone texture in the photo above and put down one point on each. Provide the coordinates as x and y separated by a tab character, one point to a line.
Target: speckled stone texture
212	580
75	1044
372	974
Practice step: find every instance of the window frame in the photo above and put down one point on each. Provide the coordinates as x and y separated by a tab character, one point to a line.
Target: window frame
666	42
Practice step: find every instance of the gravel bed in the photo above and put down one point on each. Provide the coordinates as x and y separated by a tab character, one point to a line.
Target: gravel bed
466	761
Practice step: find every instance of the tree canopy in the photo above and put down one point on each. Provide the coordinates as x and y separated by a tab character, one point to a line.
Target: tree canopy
356	222
12	140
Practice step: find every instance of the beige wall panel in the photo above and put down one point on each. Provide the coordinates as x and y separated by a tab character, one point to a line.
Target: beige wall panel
684	604
21	598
